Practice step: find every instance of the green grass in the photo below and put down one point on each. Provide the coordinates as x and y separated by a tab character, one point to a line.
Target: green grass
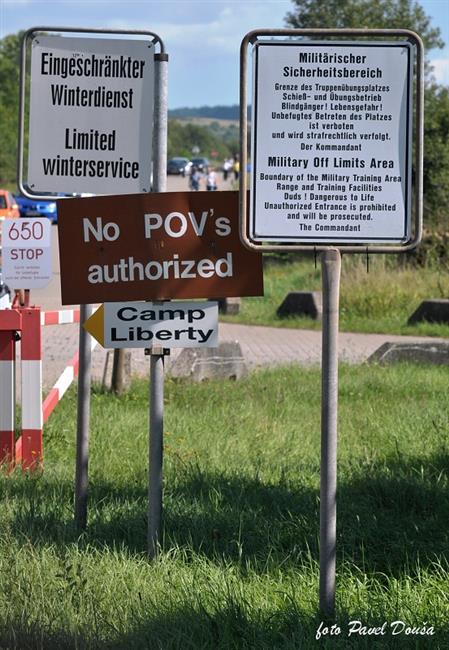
239	560
378	300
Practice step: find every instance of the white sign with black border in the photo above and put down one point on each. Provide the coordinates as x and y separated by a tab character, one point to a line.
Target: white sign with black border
178	324
331	142
26	253
91	115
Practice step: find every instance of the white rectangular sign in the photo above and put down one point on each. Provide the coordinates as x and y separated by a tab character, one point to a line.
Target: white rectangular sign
331	142
165	324
26	253
91	115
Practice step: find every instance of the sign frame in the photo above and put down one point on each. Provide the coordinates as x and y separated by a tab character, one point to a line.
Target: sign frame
27	38
417	92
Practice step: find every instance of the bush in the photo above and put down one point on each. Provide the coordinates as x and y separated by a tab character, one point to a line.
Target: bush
433	250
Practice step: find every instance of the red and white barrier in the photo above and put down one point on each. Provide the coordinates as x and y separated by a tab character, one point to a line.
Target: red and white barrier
68	375
7	359
29	446
28	449
60	317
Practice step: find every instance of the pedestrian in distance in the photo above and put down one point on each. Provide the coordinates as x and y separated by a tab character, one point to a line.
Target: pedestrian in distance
236	168
227	167
194	180
211	180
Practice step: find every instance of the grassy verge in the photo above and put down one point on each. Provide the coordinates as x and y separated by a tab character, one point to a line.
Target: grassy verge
239	564
379	300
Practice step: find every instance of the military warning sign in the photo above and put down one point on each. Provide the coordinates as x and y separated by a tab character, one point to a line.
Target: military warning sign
331	142
91	108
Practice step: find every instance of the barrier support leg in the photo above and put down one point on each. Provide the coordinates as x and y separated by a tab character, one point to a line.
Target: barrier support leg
7	397
32	419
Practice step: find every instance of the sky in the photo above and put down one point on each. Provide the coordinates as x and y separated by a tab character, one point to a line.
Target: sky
202	37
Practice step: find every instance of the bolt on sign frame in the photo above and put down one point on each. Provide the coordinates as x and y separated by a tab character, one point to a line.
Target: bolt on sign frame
349	38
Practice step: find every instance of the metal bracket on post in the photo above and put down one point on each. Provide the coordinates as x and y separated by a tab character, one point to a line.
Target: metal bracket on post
157	351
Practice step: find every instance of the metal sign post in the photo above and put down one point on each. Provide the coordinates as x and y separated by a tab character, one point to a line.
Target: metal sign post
100	94
156	408
330	268
82	422
155	451
177	324
331	146
162	246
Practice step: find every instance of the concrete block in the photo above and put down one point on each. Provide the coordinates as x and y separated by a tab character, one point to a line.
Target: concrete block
224	362
436	353
229	306
432	311
302	303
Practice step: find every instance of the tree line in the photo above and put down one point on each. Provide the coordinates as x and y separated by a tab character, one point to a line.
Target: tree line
398	14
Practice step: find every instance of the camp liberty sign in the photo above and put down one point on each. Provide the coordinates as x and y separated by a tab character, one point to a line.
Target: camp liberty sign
175	324
154	246
91	100
331	145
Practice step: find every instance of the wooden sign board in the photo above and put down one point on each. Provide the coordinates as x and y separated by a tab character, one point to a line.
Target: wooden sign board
154	247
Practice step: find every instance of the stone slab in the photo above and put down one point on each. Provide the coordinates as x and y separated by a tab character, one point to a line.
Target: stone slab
198	364
436	353
229	306
302	303
432	311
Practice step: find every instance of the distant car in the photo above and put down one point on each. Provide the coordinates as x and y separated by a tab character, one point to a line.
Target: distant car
179	166
37	208
201	164
8	205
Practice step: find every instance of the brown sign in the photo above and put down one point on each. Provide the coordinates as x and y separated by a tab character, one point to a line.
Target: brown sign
154	247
